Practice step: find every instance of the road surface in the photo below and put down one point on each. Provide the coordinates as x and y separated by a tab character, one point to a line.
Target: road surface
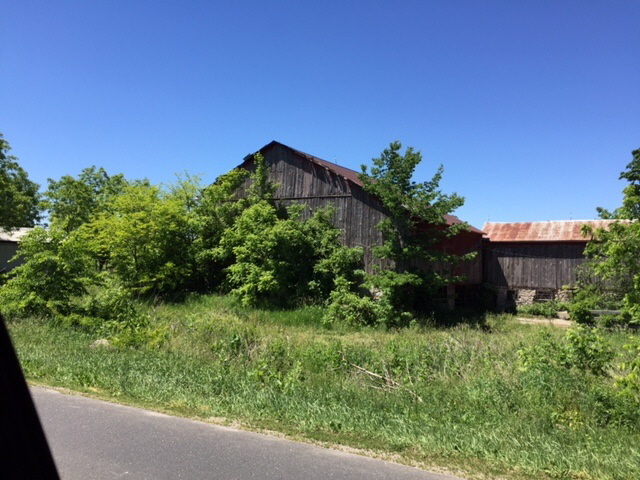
92	439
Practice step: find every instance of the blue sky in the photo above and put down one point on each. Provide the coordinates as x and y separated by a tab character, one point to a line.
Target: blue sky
533	107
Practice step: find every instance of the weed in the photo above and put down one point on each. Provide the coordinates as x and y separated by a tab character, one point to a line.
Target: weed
506	400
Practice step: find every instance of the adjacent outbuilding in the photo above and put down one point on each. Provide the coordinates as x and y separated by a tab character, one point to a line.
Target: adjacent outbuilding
530	262
9	242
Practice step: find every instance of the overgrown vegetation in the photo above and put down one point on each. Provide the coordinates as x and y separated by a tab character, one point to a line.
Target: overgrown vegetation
612	277
413	233
18	195
303	341
509	400
543	309
163	242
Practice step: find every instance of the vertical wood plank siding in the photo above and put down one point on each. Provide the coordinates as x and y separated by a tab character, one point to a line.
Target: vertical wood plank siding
528	265
356	213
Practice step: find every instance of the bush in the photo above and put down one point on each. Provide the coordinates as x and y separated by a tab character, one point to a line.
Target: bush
111	302
580	313
587	350
346	307
56	270
546	309
628	384
280	260
582	348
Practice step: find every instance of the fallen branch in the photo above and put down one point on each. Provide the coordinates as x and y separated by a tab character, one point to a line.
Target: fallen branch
388	381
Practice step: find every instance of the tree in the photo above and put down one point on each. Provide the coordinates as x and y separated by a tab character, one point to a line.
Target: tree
273	256
414	229
217	210
144	236
615	251
630	208
281	260
18	195
72	202
57	269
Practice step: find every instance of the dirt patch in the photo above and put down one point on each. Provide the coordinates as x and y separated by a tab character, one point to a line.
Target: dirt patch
555	322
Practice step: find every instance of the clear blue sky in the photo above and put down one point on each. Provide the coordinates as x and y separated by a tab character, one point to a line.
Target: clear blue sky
533	107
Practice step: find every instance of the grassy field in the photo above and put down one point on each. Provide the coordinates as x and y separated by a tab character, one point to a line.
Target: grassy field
499	398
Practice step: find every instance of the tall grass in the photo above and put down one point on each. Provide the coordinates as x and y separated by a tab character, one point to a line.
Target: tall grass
456	396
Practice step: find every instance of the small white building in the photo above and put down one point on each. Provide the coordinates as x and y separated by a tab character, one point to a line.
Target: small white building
9	242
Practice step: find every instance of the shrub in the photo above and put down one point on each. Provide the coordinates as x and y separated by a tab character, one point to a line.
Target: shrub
628	384
346	307
280	260
57	270
582	348
587	350
580	313
546	309
112	302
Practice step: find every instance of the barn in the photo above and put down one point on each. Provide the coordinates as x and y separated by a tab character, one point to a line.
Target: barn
9	242
311	181
530	262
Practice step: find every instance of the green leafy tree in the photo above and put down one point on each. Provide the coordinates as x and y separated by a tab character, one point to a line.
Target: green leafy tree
221	204
280	259
217	210
72	202
630	208
615	252
414	229
58	269
19	196
275	257
144	236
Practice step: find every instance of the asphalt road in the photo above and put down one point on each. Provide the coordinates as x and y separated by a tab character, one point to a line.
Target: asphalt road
92	439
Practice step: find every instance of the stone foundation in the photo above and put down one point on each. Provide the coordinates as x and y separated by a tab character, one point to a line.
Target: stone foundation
525	296
508	298
564	296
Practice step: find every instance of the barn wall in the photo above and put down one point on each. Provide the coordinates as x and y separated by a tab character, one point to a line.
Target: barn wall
357	214
7	251
471	270
298	180
531	265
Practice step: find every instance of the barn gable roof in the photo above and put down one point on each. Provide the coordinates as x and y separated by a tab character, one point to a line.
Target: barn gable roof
348	174
550	231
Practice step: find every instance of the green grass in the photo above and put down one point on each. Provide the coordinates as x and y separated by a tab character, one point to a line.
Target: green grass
460	401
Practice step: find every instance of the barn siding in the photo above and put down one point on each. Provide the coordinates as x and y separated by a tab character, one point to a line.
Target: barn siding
518	265
7	251
356	213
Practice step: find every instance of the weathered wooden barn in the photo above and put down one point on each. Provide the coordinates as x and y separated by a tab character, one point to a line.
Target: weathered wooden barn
529	262
303	178
9	242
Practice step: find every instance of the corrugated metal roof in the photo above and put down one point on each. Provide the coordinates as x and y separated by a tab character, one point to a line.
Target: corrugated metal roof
14	235
348	174
550	231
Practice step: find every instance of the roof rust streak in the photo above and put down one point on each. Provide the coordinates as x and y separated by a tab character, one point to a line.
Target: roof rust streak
550	231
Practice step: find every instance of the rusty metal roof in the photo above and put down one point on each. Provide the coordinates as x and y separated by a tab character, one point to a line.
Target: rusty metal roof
348	174
551	231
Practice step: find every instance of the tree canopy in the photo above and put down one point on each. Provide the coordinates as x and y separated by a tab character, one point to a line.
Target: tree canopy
614	272
414	228
630	208
72	202
417	209
18	195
